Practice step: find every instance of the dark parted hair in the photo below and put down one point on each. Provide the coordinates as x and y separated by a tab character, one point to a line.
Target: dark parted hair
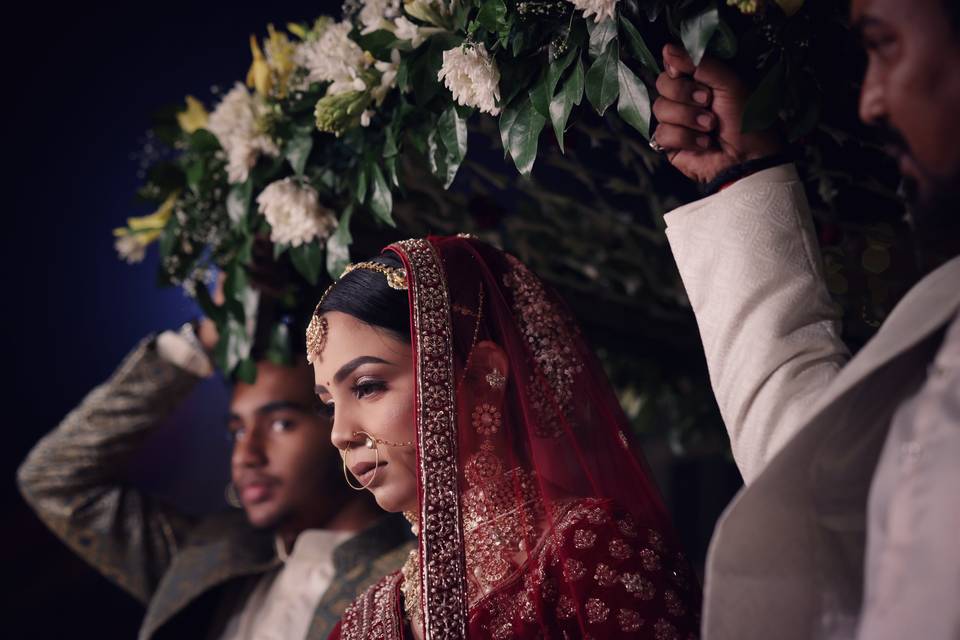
366	296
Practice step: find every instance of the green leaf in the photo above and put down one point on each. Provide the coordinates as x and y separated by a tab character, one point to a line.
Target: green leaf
763	105
638	48
209	308
247	371
562	103
634	103
452	130
602	85
697	31
308	260
279	349
202	141
194	172
520	127
601	35
338	253
360	187
492	15
542	92
381	200
379	43
724	42
238	201
297	150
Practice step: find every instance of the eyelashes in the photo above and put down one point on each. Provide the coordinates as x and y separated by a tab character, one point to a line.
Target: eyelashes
362	388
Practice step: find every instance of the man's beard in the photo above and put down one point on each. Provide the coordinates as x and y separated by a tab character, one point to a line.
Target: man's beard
933	212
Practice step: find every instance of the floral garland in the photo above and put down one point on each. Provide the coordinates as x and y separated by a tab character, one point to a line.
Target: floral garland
373	112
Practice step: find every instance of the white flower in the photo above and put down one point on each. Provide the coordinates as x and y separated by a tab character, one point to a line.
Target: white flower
130	249
388	77
235	123
600	9
333	57
365	118
403	29
376	14
295	213
472	77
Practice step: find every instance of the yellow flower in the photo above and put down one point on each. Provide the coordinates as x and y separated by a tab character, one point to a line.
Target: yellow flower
194	117
280	57
146	229
790	7
258	77
297	30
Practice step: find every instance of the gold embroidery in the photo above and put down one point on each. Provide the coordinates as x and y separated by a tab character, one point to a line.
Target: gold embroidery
650	560
573	569
566	609
630	621
620	550
627	526
584	538
674	606
638	586
372	616
597	612
441	539
655	540
605	575
663	630
549	342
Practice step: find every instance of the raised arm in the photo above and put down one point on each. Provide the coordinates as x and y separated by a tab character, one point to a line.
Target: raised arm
75	477
750	264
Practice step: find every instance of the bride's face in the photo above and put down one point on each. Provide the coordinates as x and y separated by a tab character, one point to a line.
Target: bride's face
365	379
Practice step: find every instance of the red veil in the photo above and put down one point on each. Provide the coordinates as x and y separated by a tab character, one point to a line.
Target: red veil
536	519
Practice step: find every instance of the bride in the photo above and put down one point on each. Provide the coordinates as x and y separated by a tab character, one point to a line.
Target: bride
463	395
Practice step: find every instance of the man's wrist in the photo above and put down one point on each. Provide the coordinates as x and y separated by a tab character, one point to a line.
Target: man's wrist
749	167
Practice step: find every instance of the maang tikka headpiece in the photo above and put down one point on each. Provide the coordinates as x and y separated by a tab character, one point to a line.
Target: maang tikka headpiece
318	328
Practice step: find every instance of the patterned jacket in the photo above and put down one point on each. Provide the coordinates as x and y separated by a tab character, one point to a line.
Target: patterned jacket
191	574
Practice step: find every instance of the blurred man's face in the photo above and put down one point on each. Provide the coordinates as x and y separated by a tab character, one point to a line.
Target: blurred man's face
912	86
285	470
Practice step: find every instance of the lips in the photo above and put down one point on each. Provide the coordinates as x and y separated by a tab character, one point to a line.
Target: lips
363	471
256	490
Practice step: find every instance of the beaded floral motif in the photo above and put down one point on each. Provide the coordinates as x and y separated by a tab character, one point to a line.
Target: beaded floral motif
547	334
630	621
638	586
573	569
605	575
663	630
650	559
597	612
655	540
566	608
584	538
620	550
674	605
627	526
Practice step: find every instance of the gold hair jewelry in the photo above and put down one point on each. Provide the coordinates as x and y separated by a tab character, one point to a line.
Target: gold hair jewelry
496	380
318	329
396	276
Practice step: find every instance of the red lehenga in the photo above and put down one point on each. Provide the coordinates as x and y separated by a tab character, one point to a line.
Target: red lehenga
536	519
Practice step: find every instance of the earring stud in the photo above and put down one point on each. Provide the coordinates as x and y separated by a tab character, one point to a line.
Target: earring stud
496	380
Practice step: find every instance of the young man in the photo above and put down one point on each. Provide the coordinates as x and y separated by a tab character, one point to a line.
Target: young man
848	525
303	546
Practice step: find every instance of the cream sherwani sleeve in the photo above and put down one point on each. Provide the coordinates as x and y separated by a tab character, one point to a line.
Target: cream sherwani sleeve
750	264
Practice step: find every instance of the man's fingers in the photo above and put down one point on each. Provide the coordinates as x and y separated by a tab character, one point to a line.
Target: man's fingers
675	138
670	112
717	75
676	58
683	90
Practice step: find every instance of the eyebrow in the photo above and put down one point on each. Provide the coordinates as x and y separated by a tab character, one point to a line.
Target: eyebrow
270	407
865	22
350	367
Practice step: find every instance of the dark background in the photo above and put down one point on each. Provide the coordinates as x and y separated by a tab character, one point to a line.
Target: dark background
81	84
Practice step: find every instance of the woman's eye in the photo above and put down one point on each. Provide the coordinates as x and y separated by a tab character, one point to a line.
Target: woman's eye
364	388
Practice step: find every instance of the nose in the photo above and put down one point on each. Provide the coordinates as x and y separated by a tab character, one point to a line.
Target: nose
872	107
342	434
250	450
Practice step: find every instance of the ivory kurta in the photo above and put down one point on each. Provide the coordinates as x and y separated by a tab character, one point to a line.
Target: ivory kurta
847	527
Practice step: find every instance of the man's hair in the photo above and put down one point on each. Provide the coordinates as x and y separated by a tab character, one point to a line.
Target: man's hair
952	9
